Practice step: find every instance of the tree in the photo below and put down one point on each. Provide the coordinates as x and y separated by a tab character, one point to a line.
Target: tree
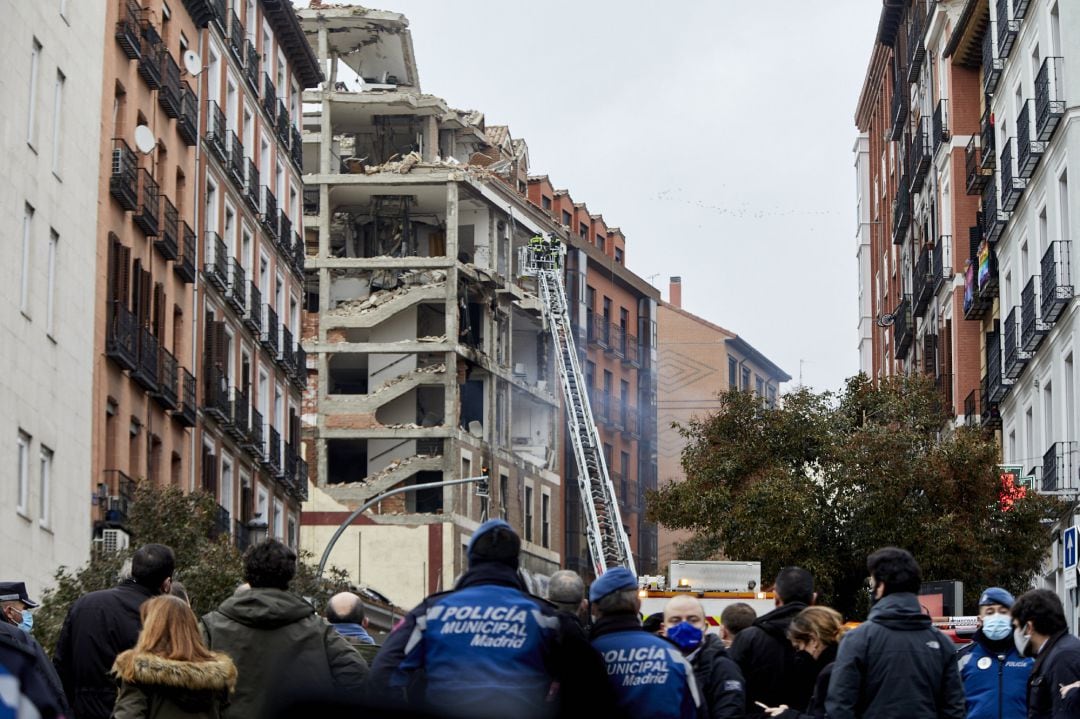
825	479
208	565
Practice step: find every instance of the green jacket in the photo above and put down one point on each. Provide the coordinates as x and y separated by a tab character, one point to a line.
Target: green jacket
278	641
158	688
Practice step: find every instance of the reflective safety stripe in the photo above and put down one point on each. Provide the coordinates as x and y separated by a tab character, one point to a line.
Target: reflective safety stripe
417	633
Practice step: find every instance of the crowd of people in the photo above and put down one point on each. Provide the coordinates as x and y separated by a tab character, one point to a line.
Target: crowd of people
489	648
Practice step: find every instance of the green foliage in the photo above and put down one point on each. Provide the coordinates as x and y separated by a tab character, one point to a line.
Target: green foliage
826	479
209	568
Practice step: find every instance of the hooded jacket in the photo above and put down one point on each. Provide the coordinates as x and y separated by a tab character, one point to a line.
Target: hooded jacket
1057	664
98	626
25	661
276	640
895	666
158	688
764	654
719	680
995	678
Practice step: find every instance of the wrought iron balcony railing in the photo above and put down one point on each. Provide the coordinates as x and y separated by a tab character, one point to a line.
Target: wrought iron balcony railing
218	14
920	154
121	343
169	95
996	388
253	317
299	255
251	64
942	270
146	215
922	285
216	137
284	124
150	56
187	124
128	26
187	412
1028	150
236	36
255	442
269	211
168	375
124	177
296	149
115	494
1057	287
216	401
251	185
241	419
987	141
901	212
1012	185
269	98
1014	358
270	330
217	262
942	133
993	218
899	110
992	65
237	286
236	161
300	367
285	233
184	267
1007	30
272	460
977	175
168	241
1049	98
1058	468
285	350
903	327
971	409
146	369
1033	330
916	46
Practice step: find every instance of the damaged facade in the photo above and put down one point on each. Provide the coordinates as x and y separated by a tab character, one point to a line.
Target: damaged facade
432	360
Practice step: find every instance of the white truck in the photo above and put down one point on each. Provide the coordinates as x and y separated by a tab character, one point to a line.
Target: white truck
716	584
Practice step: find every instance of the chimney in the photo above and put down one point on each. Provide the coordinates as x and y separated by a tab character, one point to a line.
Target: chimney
675	292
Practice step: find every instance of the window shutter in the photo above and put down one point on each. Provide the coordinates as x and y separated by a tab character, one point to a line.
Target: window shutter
113	288
219	347
159	310
123	277
211	344
294	430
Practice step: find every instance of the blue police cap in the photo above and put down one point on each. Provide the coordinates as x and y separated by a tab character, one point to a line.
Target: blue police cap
488	526
996	595
612	581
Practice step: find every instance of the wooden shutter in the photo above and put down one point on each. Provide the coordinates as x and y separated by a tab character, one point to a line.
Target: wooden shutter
158	326
294	430
119	270
211	349
113	288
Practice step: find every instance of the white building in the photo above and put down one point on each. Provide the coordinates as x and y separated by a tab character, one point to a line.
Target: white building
862	254
49	143
1035	82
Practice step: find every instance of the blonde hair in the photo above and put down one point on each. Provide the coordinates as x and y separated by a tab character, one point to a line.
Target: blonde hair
170	630
821	623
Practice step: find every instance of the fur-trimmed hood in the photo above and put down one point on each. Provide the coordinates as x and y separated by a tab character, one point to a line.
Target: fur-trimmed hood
217	674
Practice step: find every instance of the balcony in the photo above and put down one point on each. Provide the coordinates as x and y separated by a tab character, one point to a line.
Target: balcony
990	417
941	133
916	46
253	317
124	177
1012	186
270	331
903	328
996	387
1057	288
237	287
169	96
311	200
146	215
241	408
251	64
222	523
300	367
299	255
993	219
236	36
216	402
269	211
284	124
168	374
899	112
992	65
980	282
1058	472
600	405
971	409
216	268
922	285
1049	99
943	385
1028	150
285	350
285	233
977	176
1014	358
1033	331
187	125
168	240
288	469
269	98
127	32
218	14
150	57
942	270
121	343
216	137
272	461
236	160
1020	8
301	479
629	353
628	421
296	149
920	154
146	369
184	267
187	412
251	185
901	213
115	495
254	442
987	140
1007	30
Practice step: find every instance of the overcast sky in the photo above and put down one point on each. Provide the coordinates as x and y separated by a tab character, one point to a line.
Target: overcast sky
716	134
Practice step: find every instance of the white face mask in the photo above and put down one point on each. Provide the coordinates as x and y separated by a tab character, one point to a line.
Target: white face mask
1021	640
996	626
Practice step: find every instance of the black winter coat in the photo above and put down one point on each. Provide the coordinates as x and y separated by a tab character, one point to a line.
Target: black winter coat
816	708
1058	664
24	659
896	665
773	674
719	680
97	628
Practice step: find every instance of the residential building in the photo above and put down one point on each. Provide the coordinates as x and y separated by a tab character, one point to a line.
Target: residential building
431	358
615	312
698	361
197	376
50	159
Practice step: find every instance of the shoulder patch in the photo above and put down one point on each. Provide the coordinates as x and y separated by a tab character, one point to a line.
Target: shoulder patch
933	644
733	685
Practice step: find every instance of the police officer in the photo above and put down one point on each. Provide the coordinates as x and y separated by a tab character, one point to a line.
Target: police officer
650	675
995	675
487	648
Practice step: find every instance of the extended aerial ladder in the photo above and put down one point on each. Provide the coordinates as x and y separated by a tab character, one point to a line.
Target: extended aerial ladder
608	543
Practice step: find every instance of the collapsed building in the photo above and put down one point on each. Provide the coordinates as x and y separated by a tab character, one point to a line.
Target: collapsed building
431	357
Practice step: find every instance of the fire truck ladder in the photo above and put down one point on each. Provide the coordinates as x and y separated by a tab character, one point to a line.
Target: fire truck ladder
608	543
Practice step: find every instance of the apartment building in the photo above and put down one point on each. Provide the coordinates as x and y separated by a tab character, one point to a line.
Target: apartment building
431	358
46	296
615	312
698	361
919	236
197	375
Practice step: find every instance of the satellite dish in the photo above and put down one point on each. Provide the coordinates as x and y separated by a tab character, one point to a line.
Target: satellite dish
192	63
144	139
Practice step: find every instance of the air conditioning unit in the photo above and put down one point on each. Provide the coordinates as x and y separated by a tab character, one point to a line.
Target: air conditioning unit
114	540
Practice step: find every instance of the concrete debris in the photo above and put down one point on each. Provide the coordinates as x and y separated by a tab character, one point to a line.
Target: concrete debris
407	280
392	467
434	369
431	338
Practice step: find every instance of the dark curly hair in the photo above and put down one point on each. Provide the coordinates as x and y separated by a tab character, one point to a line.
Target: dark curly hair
269	564
895	568
1043	609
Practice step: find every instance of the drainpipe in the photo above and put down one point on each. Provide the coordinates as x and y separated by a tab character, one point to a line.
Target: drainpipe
197	196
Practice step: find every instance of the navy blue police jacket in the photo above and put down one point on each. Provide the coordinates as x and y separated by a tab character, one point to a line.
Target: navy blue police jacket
650	676
995	678
488	648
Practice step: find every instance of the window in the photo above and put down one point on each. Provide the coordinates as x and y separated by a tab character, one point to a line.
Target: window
528	513
618	255
504	495
24	277
45	497
1063	200
50	298
545	201
601	242
583	230
23	475
759	385
57	125
279	520
545	520
746	378
732	373
31	113
227	483
566	218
